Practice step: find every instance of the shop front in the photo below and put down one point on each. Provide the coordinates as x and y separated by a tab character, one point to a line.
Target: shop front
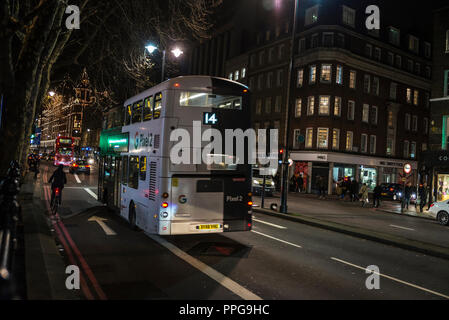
337	166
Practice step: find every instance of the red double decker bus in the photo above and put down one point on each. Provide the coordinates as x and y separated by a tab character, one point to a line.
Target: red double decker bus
64	151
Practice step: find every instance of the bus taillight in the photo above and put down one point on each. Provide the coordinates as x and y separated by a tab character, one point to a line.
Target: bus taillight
250	203
164	205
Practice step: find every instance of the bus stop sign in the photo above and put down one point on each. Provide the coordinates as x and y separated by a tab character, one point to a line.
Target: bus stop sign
407	168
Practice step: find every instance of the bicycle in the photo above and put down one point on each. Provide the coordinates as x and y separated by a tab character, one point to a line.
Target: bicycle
56	201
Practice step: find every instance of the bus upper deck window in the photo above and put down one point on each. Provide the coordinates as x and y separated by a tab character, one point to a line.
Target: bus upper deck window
137	112
148	109
157	105
128	113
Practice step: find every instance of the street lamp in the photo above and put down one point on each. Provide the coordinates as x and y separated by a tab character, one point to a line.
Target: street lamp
285	162
176	52
52	93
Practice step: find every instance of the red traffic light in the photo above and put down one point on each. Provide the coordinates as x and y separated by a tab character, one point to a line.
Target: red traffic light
281	151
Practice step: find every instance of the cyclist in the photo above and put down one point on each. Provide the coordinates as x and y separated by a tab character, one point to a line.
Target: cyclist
57	180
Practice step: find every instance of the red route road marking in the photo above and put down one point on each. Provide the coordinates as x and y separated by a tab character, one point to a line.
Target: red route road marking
75	249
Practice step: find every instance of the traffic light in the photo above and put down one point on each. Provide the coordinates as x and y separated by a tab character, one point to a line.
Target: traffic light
281	155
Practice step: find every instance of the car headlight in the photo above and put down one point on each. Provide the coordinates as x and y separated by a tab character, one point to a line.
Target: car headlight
91	161
256	182
272	183
400	194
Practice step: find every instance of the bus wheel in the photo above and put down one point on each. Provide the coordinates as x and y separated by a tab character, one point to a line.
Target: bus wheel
132	216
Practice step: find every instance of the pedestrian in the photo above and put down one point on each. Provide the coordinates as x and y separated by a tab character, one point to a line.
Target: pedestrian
407	196
300	182
354	190
376	196
422	192
364	194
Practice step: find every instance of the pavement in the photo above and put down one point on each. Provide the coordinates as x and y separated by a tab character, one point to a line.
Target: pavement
279	259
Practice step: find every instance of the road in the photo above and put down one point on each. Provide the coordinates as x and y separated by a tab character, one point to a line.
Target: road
278	260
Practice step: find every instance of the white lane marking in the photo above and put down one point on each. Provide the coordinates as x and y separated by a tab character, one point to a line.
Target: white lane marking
204	268
273	238
270	224
101	222
394	279
77	178
399	227
91	193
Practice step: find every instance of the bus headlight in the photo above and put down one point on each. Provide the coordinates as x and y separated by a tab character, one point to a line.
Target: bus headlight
256	182
91	161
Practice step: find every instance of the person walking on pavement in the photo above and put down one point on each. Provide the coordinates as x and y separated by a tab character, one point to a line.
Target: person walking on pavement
422	192
354	190
365	195
376	197
300	183
407	196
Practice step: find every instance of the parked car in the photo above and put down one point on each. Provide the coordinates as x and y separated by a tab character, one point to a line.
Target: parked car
395	192
257	184
440	211
80	166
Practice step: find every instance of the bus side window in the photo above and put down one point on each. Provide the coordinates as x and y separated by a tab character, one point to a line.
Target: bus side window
148	109
133	175
125	171
137	112
157	105
143	168
128	113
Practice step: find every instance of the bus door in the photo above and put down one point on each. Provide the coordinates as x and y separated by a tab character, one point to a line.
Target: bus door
198	199
118	174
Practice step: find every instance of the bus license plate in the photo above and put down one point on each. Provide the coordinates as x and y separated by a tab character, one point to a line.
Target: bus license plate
209	227
384	194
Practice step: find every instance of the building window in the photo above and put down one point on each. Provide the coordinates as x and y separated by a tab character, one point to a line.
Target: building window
418	68
259	82
393	90
298	108
309	138
394	36
231	76
281	51
336	139
324	105
300	78
268	105
409	95
368	50
365	113
259	106
261	58
253	61
427	50
341	40
352	79
413	44
349	141
399	61
323	138
424	147
312	75
374	115
390	120
243	73
377	54
328	39
364	143
367	83
326	73
251	83
390	148
280	78
390	58
337	107
373	144
237	75
447	41
311	15
446	83
268	35
406	149
428	72
376	86
427	99
311	106
339	76
269	83
270	55
297	134
416	97
426	126
315	40
348	16
277	105
413	150
302	45
351	110
407	121
410	65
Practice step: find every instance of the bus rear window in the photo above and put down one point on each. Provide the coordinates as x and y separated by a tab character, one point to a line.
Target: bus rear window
128	113
157	106
148	109
206	100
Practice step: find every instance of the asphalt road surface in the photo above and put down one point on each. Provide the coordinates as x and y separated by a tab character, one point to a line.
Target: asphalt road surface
279	259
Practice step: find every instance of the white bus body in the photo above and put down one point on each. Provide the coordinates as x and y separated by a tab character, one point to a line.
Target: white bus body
162	198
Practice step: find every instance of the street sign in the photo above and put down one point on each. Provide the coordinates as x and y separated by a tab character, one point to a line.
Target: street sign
407	168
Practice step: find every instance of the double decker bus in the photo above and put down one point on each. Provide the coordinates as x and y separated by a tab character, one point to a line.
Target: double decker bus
161	197
64	151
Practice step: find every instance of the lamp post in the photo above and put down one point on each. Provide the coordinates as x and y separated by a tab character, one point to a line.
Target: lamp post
285	163
176	52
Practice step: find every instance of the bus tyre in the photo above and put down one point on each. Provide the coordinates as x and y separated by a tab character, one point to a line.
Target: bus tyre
132	216
443	218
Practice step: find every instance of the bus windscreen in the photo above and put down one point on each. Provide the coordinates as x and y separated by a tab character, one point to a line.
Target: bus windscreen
206	100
